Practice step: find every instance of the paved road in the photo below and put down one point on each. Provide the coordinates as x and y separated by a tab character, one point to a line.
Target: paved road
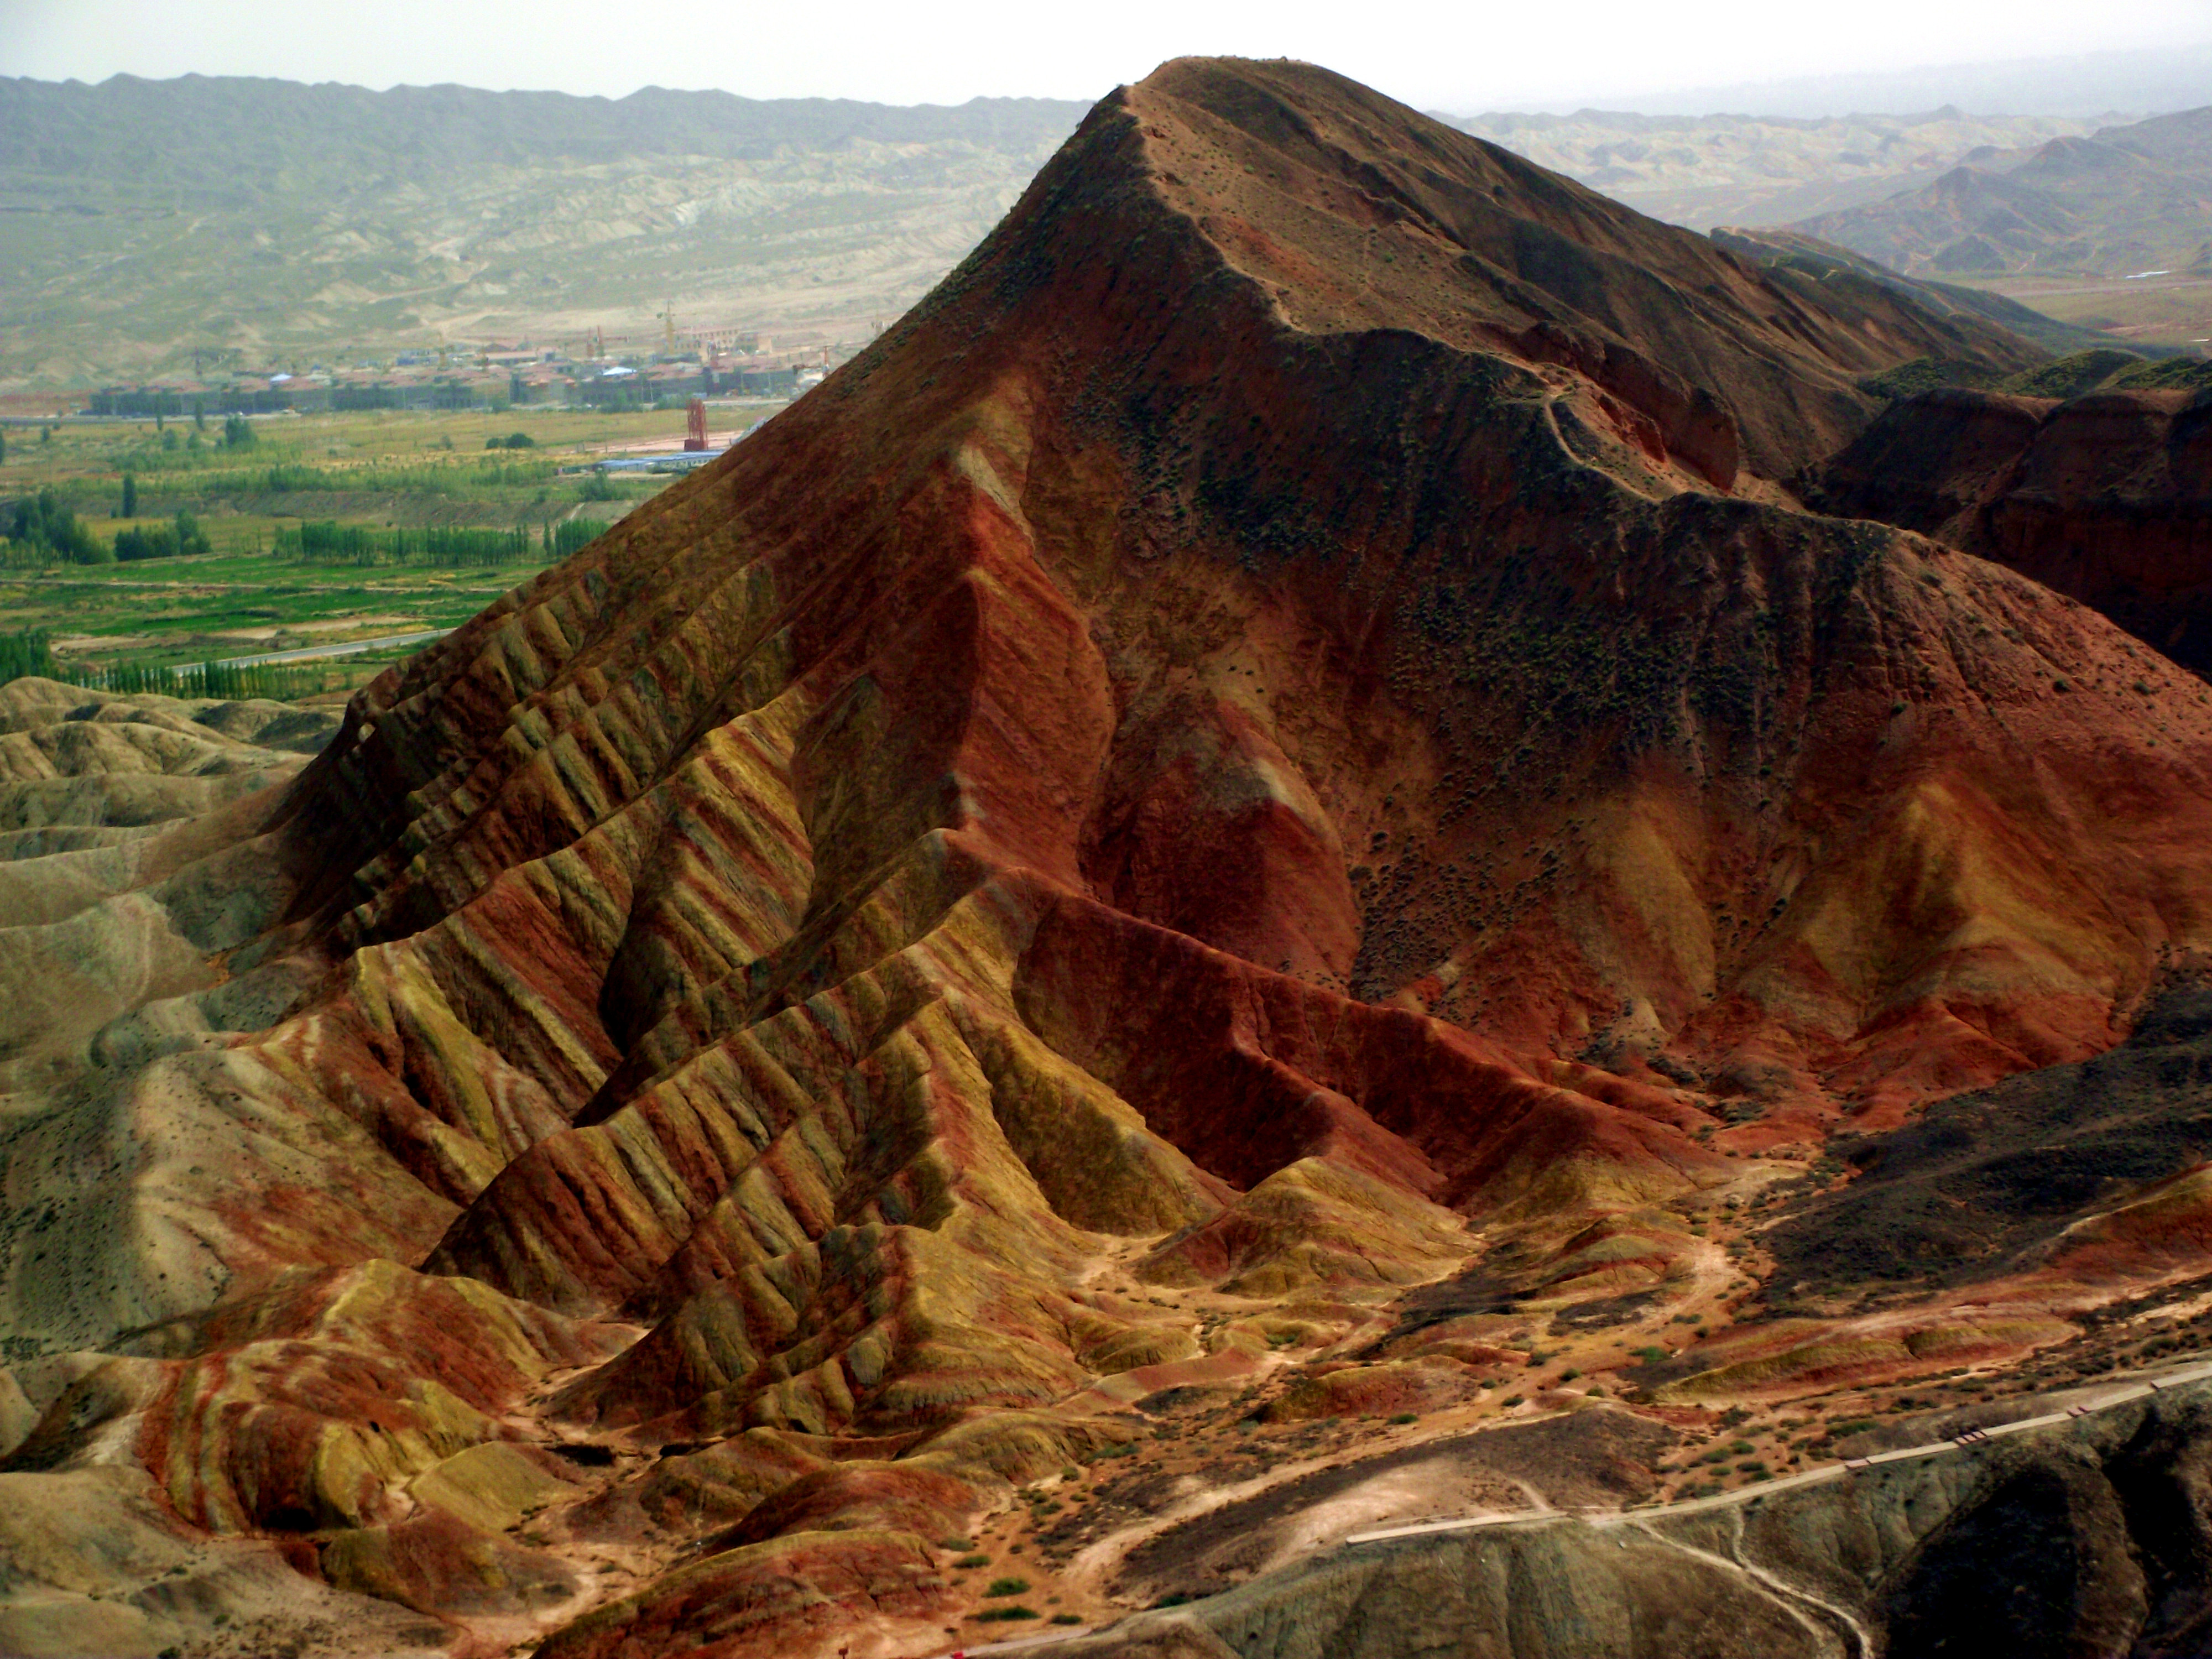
345	648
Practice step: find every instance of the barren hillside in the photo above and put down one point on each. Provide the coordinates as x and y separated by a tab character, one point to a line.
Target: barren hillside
149	220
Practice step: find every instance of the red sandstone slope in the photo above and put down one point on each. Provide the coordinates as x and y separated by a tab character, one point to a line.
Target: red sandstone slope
1281	715
2106	497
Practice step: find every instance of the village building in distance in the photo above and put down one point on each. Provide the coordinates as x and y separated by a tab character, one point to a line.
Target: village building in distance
494	375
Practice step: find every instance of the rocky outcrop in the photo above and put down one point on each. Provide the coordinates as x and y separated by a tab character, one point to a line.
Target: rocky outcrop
2106	497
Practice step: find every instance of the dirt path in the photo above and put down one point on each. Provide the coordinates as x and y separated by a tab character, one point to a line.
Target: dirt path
1793	1598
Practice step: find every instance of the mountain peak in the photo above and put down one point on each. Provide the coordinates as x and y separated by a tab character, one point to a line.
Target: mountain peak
1278	756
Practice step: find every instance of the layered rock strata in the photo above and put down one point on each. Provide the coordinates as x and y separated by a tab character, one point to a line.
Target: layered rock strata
1280	742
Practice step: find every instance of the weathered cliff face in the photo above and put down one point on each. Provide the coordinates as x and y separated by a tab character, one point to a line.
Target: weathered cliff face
1279	734
2107	497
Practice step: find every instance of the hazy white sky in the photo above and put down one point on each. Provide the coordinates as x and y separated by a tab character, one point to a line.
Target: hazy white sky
1461	57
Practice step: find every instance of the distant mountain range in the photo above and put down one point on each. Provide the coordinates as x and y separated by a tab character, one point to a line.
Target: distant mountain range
2119	202
153	226
2147	81
1944	194
149	220
1706	170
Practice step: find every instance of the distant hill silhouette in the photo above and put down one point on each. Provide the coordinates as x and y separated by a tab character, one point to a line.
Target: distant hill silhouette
2118	201
146	218
1727	169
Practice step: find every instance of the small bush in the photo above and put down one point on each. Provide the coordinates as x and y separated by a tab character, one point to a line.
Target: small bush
973	1561
996	1616
956	1543
1407	1416
1067	1618
1006	1587
1569	1374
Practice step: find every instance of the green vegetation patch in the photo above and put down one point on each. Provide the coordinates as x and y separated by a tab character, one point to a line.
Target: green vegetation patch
29	653
446	547
2073	374
1922	374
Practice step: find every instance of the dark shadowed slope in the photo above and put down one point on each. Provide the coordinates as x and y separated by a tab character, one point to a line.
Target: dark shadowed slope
2107	496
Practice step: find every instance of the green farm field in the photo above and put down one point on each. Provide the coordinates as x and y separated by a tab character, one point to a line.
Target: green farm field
2172	309
407	478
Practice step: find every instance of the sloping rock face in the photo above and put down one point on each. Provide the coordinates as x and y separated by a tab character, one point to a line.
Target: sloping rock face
1985	1178
2106	497
1838	270
1282	730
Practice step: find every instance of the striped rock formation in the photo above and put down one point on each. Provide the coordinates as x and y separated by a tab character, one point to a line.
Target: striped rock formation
1281	738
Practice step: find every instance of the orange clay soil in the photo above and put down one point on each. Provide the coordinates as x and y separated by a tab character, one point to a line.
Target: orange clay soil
1267	817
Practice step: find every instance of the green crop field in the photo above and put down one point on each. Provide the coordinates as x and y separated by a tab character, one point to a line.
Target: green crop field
322	531
2173	309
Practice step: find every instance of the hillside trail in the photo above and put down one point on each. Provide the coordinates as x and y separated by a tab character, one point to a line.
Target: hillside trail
1793	1599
